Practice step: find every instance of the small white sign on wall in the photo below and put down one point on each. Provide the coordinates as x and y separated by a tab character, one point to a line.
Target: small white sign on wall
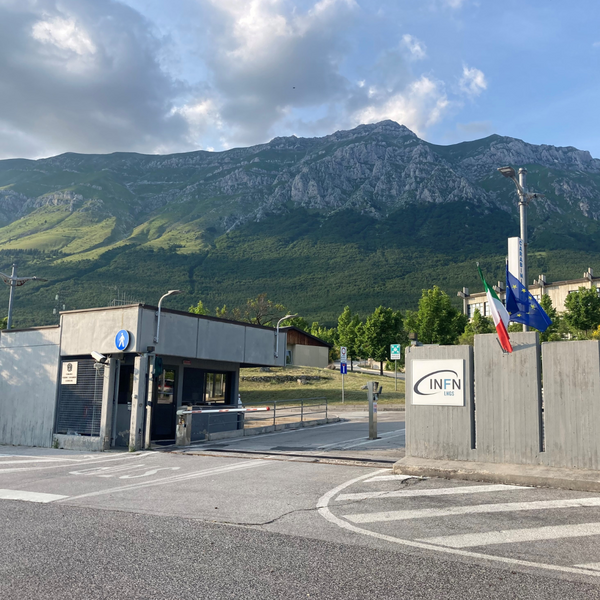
438	382
69	373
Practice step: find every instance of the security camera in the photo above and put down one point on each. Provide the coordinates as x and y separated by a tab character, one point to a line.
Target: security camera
99	358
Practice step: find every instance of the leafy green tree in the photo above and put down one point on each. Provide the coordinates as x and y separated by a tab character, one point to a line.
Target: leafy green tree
552	334
258	311
437	321
381	329
3	323
298	322
582	311
327	335
479	324
347	333
199	309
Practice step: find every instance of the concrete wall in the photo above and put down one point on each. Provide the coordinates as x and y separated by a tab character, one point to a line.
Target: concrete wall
508	399
29	363
442	432
310	356
572	404
84	331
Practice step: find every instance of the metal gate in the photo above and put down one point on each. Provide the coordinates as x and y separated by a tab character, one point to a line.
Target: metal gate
80	403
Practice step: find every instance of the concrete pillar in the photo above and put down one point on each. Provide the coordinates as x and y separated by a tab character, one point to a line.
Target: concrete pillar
138	401
108	393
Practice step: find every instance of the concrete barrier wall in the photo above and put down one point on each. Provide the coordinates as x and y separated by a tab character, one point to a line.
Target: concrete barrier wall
508	399
28	395
442	432
572	404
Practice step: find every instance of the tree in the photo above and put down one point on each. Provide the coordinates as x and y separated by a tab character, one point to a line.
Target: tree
327	335
437	321
298	322
258	311
479	324
381	329
582	311
199	309
3	323
552	334
347	333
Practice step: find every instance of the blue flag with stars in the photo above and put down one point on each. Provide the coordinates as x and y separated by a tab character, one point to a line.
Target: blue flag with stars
522	307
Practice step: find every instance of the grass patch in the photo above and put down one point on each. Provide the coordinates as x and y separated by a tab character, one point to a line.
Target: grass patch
329	386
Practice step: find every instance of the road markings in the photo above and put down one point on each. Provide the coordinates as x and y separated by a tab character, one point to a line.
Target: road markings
85	461
428	513
325	512
510	536
29	496
175	478
592	566
344	444
471	489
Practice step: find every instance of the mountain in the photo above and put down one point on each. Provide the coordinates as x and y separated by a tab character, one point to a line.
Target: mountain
361	217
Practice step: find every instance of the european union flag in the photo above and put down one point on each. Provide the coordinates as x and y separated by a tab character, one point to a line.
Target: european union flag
522	307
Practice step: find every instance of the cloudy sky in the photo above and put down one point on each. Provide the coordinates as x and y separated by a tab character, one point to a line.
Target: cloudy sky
161	76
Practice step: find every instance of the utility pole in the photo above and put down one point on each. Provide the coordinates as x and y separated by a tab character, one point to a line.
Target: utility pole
524	199
13	281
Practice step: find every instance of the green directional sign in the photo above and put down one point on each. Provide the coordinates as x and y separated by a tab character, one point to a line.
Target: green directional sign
395	352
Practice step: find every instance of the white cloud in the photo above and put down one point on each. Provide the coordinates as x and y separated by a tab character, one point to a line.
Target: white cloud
64	34
421	105
473	81
415	47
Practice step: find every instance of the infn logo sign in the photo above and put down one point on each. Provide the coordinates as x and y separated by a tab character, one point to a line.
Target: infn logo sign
438	382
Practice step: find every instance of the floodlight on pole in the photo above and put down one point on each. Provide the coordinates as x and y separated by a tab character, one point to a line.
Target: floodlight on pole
169	293
524	199
277	332
13	281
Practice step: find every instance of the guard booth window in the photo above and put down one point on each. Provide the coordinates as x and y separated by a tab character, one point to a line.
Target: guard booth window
206	387
215	388
80	400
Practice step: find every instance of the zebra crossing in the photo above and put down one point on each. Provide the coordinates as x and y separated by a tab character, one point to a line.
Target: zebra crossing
550	529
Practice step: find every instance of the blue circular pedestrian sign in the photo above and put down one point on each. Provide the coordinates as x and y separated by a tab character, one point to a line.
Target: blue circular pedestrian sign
122	340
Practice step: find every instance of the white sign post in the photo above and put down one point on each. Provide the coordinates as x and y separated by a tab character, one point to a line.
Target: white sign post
395	355
343	367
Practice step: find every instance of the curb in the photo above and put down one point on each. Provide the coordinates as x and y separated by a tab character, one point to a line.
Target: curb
526	475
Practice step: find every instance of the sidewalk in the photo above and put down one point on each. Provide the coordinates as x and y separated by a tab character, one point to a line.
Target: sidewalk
529	475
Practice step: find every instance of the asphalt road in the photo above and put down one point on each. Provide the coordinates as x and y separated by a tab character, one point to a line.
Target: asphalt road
175	525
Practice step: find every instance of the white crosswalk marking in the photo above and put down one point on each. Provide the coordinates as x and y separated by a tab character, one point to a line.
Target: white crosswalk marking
471	489
402	515
512	536
29	496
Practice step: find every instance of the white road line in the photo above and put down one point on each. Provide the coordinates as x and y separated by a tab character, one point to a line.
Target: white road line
511	536
471	489
382	437
29	496
592	566
323	508
428	513
176	478
391	478
81	462
342	444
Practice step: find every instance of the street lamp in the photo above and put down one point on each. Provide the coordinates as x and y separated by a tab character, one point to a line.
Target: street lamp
13	281
277	332
524	199
169	293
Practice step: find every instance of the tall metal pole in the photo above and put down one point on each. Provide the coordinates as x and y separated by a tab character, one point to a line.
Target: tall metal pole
13	283
523	219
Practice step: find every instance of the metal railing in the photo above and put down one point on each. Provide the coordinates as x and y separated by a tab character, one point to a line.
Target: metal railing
281	412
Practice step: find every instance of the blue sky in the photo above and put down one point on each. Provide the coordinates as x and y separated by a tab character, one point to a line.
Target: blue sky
159	77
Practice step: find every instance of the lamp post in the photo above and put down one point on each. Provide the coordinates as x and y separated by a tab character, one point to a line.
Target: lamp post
277	332
13	281
169	293
524	199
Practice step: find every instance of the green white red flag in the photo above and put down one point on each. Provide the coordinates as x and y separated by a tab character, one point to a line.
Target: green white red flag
499	314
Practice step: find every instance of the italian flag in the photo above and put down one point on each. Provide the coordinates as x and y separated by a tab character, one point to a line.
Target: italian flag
499	314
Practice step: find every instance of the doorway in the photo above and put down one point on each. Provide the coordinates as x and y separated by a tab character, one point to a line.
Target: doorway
123	417
165	405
